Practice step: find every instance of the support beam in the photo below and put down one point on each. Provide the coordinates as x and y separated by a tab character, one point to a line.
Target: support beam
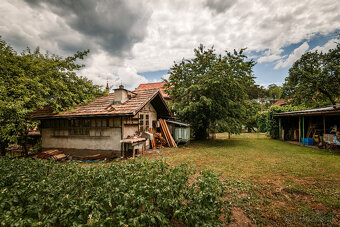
280	129
303	130
299	130
324	124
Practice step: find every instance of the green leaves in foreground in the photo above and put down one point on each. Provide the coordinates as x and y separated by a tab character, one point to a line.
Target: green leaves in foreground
127	193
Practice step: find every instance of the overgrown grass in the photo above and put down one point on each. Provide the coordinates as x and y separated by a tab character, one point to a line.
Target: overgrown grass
274	182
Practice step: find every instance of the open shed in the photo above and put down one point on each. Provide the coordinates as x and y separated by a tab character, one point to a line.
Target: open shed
180	131
309	125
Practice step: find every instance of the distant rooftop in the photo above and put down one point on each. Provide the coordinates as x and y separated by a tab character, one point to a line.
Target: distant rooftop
159	85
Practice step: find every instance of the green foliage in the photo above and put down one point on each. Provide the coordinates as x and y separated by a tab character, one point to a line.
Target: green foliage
210	89
30	81
134	193
262	121
253	108
274	91
315	78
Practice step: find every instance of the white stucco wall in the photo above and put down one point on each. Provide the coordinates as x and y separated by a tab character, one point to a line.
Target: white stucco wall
105	139
99	139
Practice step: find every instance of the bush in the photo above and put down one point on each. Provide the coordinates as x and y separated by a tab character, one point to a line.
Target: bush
138	192
261	121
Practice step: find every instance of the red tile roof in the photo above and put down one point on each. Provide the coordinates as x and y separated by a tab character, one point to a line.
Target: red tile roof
104	106
281	102
159	85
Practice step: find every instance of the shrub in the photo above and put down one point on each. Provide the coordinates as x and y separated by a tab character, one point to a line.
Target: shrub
137	192
262	121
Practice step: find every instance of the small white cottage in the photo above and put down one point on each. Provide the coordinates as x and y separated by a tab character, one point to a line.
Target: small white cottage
99	126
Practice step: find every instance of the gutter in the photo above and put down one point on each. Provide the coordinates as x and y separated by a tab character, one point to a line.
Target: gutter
83	116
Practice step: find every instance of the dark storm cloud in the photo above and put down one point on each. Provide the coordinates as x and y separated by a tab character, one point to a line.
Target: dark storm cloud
114	25
220	6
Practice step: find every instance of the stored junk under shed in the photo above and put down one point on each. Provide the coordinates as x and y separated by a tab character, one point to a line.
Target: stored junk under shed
319	126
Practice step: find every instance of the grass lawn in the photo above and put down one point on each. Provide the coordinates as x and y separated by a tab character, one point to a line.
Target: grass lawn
269	182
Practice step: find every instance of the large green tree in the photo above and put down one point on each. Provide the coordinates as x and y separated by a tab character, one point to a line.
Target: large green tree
274	92
211	89
315	78
32	80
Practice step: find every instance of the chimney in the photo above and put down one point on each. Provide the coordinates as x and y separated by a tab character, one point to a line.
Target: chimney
107	86
120	95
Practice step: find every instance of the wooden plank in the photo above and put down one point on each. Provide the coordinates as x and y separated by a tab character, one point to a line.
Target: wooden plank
324	124
153	142
280	128
303	130
164	133
299	129
169	134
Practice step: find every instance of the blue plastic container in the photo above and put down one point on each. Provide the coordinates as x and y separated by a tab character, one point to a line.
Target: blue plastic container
307	141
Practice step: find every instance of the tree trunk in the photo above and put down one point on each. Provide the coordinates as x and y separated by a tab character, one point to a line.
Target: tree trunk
201	133
3	149
214	136
329	97
24	146
228	135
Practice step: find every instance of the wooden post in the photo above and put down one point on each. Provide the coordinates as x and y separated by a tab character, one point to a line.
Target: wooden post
124	150
280	129
324	124
303	130
299	130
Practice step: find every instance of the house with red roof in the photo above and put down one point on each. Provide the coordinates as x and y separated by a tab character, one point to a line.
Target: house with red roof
100	126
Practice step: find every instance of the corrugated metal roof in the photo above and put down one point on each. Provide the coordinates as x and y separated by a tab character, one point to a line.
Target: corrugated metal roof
178	123
316	111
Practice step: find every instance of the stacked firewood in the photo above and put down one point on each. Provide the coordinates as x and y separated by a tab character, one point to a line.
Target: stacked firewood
159	140
163	138
52	154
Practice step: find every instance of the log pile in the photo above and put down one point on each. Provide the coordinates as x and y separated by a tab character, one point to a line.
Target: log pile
158	140
163	138
52	154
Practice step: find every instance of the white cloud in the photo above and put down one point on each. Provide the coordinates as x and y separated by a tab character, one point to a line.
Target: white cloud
297	53
177	27
270	56
331	44
152	34
101	67
166	76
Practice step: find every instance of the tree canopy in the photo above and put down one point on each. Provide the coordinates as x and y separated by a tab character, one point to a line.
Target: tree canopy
32	80
211	89
315	78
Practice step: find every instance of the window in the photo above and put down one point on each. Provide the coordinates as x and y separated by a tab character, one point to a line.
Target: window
141	122
79	127
147	122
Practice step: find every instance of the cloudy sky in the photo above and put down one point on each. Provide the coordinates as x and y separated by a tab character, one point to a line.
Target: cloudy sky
133	42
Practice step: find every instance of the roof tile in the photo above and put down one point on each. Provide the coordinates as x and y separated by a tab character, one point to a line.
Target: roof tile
104	106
